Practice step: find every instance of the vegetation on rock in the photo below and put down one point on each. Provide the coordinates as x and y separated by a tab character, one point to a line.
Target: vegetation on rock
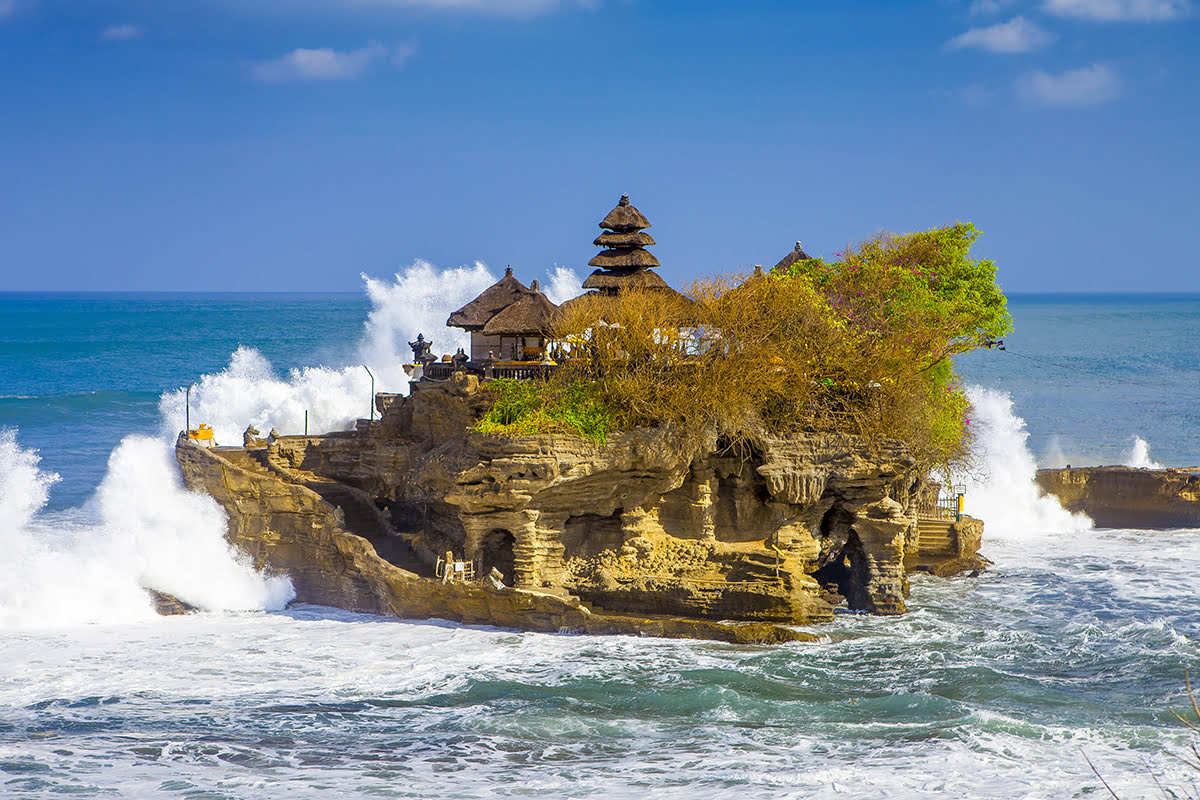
528	407
860	345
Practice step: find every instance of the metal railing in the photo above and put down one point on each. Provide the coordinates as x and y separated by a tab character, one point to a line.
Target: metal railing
441	371
948	505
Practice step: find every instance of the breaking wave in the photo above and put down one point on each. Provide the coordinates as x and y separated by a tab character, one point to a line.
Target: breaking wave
1002	491
1138	455
143	530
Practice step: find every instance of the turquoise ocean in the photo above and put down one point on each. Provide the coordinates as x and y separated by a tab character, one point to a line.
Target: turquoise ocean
1073	647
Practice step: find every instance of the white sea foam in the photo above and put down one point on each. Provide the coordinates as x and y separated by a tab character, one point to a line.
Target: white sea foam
141	530
1138	455
417	301
1003	492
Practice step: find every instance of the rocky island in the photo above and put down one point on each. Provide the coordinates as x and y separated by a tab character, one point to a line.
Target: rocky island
1128	497
460	502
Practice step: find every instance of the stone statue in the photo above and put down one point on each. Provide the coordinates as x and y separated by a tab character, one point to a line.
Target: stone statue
459	360
251	439
421	348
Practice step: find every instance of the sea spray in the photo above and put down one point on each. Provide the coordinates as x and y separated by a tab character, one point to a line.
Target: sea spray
563	285
1138	455
1003	493
332	398
249	392
172	539
142	530
417	301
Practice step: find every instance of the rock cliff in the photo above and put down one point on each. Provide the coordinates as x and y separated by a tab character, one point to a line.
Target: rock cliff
583	535
1125	497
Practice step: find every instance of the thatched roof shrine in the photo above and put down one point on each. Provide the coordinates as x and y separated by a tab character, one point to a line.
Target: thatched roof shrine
624	263
797	254
530	314
494	299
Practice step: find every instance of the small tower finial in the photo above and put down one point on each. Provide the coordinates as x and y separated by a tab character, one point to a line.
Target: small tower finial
535	286
624	200
508	271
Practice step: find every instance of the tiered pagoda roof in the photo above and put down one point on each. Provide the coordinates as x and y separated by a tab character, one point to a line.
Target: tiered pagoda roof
624	263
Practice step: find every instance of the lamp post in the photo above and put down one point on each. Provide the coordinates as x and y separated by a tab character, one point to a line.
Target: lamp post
364	366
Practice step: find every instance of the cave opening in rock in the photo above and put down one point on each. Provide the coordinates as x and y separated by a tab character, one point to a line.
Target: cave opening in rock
496	551
850	572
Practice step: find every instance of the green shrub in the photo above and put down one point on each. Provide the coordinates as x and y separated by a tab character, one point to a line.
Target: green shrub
534	406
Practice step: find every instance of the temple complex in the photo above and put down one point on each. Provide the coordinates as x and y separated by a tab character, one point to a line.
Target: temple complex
510	322
647	530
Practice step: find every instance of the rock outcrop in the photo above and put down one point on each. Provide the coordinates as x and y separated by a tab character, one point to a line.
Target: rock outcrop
642	533
1126	497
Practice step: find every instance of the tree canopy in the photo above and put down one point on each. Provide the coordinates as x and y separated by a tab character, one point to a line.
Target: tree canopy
860	345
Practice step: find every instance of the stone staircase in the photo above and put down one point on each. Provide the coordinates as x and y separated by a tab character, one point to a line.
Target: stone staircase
362	518
934	537
249	460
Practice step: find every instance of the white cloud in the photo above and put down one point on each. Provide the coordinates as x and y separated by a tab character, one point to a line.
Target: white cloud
1119	10
1018	35
1086	86
988	6
327	64
121	33
497	8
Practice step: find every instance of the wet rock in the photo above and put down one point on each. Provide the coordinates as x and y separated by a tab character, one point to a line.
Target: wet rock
168	605
1126	497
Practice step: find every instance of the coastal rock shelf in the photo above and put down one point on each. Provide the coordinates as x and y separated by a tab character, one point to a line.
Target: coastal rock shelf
1127	497
636	535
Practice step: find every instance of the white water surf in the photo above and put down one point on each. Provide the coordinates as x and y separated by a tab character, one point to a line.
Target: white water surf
142	530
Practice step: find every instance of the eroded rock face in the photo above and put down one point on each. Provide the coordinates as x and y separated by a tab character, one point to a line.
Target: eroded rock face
637	523
1125	497
286	527
640	525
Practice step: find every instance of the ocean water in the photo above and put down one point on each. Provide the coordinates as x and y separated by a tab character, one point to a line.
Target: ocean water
1073	647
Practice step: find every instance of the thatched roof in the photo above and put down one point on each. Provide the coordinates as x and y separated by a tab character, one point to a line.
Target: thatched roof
797	254
668	295
614	240
624	258
494	299
624	218
529	315
625	279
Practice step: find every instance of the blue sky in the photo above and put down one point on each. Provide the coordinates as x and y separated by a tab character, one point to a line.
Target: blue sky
247	144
